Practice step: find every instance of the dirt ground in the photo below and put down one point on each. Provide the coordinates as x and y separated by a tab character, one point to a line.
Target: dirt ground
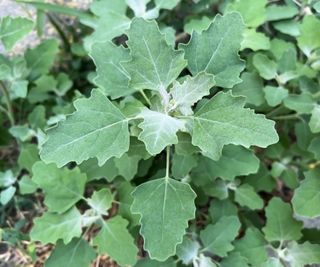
11	8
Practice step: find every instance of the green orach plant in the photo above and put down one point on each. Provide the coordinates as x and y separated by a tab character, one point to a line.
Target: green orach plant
164	133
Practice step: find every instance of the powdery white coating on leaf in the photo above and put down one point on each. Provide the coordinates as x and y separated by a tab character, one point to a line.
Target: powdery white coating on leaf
165	206
224	120
215	50
158	130
96	129
186	94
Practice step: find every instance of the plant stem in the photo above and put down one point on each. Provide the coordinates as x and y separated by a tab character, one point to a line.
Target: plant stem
286	117
145	97
168	162
275	111
56	24
5	93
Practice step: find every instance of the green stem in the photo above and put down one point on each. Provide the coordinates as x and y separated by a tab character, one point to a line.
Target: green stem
56	24
6	96
145	97
4	110
286	117
274	111
168	162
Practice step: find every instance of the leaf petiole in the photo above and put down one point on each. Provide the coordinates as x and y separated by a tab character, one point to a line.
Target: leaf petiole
167	162
145	97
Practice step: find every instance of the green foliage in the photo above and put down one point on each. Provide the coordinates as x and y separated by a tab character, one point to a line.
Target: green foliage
115	240
163	133
14	29
158	202
96	120
215	50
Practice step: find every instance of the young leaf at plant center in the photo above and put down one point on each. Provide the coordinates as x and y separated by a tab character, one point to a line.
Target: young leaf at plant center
252	246
186	94
75	254
280	224
51	227
63	187
111	76
158	130
246	196
253	12
224	120
14	29
101	201
306	196
115	241
158	202
154	64
219	46
96	129
217	237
